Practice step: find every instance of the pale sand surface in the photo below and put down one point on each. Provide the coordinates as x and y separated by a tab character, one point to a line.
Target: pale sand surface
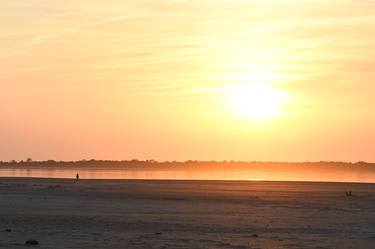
185	214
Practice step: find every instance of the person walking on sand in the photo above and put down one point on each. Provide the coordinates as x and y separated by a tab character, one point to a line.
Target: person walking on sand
77	176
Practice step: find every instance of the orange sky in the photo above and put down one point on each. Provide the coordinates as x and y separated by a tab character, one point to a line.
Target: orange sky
152	79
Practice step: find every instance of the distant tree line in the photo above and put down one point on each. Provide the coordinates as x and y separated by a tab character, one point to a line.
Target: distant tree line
145	163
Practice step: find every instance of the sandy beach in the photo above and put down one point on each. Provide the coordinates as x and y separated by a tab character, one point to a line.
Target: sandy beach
185	214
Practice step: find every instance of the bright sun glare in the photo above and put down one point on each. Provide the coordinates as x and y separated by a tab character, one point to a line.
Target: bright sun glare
255	101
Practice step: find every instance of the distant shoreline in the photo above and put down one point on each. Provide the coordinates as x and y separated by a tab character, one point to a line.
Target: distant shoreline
195	163
172	181
225	166
195	170
72	179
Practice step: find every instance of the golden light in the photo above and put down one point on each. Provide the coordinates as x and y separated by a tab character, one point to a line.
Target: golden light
255	101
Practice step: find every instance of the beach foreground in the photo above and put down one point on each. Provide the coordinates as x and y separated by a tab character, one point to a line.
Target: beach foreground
185	214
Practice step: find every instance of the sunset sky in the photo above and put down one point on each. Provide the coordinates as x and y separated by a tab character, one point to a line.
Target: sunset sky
176	80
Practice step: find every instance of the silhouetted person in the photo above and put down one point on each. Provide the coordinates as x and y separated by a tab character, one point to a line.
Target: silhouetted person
77	176
348	193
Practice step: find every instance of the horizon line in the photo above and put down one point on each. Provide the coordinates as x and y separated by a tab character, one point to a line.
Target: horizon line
29	160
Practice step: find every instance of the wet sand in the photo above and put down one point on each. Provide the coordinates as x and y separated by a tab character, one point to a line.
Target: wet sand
185	214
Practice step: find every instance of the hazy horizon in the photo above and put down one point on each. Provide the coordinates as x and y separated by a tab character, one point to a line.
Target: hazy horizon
360	172
187	79
150	160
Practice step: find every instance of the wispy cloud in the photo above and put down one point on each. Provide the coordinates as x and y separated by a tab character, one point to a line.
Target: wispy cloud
51	34
32	69
112	19
63	14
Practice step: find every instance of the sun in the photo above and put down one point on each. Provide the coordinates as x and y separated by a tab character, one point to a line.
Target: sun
255	101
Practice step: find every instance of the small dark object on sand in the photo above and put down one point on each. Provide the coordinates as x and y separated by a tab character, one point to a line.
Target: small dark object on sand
8	230
159	233
255	235
31	242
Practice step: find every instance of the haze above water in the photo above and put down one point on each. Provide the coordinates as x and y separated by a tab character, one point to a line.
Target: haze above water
324	172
